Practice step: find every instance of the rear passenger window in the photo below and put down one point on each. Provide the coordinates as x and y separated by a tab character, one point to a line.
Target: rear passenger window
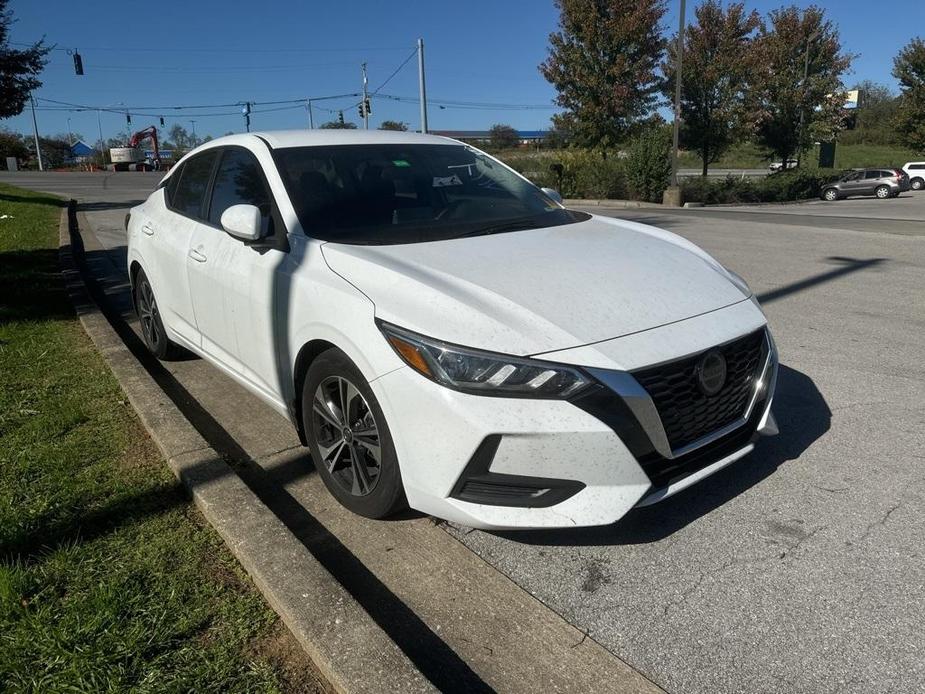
917	167
239	182
191	189
872	174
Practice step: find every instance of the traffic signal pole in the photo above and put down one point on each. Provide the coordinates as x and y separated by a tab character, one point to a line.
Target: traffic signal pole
423	90
365	109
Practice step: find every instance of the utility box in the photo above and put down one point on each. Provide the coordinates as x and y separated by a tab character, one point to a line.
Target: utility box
826	155
12	164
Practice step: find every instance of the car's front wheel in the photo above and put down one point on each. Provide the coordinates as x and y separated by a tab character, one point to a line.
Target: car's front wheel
152	327
830	194
883	192
349	438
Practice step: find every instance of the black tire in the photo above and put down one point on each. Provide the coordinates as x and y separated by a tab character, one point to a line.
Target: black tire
918	183
152	328
344	448
883	192
830	194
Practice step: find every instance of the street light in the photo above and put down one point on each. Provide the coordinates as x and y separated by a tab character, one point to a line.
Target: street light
672	196
809	40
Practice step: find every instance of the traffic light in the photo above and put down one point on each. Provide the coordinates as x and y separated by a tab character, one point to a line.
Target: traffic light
128	118
162	121
78	63
369	111
361	111
340	117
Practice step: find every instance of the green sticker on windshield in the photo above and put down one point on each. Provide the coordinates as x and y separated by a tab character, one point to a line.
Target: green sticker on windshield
400	162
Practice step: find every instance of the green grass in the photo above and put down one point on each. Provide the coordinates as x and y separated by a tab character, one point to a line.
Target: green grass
109	579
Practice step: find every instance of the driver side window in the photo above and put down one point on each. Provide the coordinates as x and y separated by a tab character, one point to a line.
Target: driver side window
240	181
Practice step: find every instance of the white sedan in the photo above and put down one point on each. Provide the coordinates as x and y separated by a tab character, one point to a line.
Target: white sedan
445	335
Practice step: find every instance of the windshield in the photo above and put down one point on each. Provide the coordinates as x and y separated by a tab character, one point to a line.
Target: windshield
391	193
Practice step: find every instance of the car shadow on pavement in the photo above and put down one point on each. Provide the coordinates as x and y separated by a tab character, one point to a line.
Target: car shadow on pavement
803	416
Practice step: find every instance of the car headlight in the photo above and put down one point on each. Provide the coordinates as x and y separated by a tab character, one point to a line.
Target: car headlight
483	373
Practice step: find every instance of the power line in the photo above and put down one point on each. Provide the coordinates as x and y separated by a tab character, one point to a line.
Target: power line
135	49
395	72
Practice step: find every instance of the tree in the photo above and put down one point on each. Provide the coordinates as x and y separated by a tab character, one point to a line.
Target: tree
784	44
603	63
393	125
503	136
13	145
719	64
909	70
180	137
56	151
873	122
19	69
338	125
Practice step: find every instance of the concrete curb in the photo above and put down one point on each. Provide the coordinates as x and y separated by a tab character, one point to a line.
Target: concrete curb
350	650
618	204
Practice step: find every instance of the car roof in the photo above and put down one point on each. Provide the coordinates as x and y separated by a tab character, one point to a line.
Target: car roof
306	138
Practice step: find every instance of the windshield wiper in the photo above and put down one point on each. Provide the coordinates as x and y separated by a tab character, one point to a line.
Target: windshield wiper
516	225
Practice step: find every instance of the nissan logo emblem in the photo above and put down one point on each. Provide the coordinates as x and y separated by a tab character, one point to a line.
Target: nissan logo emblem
711	373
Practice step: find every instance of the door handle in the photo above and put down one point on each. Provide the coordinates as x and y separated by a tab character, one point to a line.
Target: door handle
148	230
197	256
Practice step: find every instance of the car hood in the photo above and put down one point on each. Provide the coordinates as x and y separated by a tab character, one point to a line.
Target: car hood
538	290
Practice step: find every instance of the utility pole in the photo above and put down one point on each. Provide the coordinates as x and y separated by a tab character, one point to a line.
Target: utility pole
99	124
311	118
812	37
676	127
35	131
193	123
246	112
365	108
70	136
421	86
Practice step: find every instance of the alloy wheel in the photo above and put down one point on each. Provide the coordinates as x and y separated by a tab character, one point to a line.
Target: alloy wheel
830	194
347	435
147	312
883	192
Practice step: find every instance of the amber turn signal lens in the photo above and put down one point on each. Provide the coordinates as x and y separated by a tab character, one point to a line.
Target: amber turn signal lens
410	354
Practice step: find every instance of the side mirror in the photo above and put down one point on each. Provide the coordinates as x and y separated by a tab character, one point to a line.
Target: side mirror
243	222
552	193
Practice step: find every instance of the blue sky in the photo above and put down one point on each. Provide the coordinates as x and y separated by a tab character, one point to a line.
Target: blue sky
222	52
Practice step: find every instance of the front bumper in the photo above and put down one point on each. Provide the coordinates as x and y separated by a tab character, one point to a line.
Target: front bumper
548	463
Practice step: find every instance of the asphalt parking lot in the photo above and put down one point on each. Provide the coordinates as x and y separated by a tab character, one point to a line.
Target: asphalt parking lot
799	568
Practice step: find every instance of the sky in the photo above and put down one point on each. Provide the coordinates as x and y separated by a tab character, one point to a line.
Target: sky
148	56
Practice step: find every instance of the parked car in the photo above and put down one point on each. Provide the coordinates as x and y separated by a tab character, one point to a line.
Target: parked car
915	170
443	333
779	165
884	183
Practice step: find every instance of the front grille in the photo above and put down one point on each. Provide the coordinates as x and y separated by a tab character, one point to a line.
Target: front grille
686	413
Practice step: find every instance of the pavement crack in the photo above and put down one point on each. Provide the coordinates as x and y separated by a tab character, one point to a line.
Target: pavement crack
883	519
584	637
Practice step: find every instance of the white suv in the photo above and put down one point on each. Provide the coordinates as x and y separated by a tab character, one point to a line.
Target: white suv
444	334
916	171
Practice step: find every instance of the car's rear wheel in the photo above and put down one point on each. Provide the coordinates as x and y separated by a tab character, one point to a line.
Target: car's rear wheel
882	192
830	194
152	327
349	438
918	183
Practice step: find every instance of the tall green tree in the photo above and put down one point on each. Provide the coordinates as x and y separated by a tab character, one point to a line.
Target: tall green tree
909	69
718	68
19	69
603	62
873	122
790	36
338	125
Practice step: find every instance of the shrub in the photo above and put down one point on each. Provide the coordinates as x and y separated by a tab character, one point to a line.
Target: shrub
648	165
785	186
575	173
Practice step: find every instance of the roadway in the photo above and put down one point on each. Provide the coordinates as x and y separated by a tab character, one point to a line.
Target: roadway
799	568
